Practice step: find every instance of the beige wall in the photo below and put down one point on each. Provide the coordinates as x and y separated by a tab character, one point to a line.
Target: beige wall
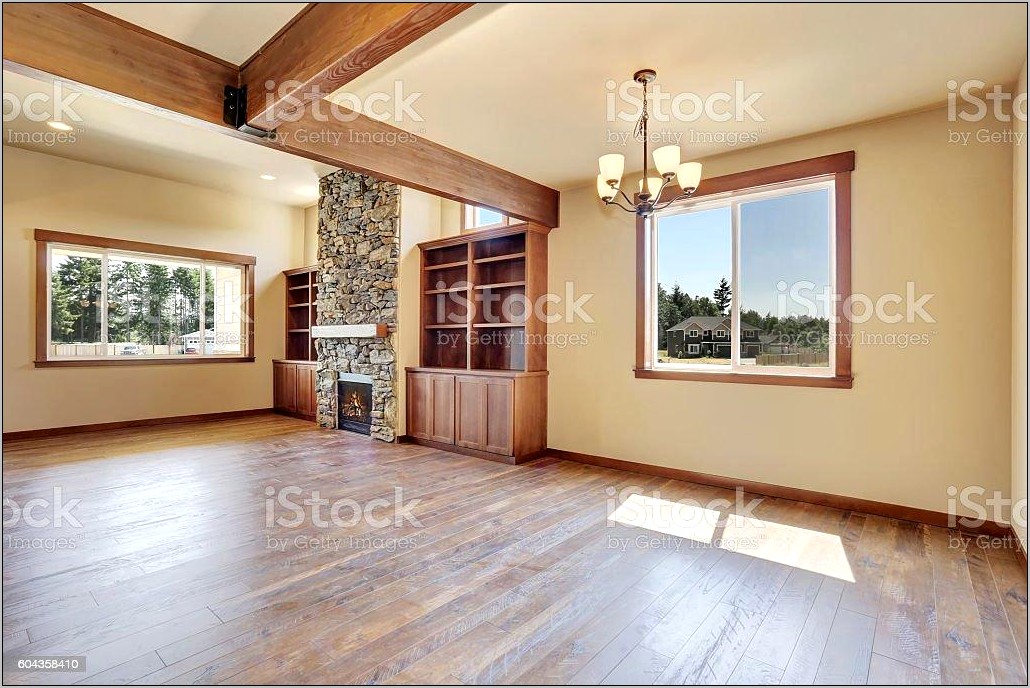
420	221
53	193
450	217
1019	305
918	419
310	235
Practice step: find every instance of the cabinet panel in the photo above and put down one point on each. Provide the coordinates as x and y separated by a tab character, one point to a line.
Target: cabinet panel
500	417
442	408
470	400
306	403
419	419
284	387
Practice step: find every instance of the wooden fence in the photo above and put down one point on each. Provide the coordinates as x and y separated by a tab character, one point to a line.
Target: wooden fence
801	359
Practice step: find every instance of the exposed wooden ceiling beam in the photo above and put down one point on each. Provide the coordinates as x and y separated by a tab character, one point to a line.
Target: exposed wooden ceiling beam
114	59
85	46
328	45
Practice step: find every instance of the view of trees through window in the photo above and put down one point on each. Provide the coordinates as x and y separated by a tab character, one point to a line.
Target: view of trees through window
153	305
783	273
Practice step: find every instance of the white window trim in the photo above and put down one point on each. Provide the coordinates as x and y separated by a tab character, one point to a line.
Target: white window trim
733	201
470	216
693	348
694	332
106	255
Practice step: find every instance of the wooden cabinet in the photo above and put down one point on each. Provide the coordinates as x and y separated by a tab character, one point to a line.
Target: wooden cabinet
484	413
293	388
493	415
431	407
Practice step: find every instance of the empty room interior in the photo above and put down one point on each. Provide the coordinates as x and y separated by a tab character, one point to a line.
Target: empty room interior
522	343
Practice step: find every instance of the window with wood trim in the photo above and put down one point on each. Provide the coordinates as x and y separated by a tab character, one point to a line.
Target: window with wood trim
762	261
474	218
102	301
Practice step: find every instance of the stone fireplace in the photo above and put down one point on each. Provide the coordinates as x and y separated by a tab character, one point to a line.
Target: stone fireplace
358	253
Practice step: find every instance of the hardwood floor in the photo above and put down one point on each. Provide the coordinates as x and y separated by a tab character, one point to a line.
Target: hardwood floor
511	574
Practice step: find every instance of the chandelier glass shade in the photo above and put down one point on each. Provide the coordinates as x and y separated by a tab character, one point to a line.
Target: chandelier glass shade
648	197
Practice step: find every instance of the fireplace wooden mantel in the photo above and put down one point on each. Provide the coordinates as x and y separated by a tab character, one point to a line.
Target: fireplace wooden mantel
371	331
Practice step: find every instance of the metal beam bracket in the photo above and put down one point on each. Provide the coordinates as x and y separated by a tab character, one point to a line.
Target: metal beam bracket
234	112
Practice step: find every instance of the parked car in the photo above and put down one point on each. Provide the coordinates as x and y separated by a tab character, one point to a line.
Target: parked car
131	350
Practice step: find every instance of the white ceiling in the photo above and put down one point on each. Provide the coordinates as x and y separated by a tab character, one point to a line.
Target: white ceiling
138	141
232	31
522	86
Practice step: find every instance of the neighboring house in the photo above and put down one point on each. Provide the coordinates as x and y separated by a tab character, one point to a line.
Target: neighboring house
191	341
775	344
709	336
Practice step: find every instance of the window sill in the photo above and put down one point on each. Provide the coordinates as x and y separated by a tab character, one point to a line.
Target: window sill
838	382
129	361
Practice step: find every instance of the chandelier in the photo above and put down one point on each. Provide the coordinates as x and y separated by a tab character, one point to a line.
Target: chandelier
666	161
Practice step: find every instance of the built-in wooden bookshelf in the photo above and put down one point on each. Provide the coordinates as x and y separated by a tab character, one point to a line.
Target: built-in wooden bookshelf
478	293
293	377
481	388
301	294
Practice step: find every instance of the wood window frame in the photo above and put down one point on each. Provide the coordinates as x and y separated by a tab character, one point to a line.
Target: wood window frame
44	238
839	166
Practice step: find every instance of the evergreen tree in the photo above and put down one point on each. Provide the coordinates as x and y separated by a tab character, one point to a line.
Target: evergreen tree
76	281
723	296
669	315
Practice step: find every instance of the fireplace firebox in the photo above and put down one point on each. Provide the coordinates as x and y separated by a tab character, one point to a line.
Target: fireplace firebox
354	403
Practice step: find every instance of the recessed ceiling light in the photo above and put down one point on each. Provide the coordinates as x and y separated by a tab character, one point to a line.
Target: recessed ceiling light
59	126
268	177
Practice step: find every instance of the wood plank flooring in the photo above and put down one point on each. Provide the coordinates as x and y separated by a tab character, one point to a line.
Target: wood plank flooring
511	574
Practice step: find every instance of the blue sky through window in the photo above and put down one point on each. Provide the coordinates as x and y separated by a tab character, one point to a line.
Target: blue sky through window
785	238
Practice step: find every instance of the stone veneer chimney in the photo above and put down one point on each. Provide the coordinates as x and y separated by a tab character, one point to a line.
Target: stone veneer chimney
358	254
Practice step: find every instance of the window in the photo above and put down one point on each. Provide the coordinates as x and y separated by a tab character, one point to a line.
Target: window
106	301
693	349
708	334
694	332
767	253
474	217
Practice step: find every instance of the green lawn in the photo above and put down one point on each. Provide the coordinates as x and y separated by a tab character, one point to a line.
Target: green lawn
663	357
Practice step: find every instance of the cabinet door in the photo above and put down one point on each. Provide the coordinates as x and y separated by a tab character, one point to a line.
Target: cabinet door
470	416
284	386
442	405
306	404
500	416
420	409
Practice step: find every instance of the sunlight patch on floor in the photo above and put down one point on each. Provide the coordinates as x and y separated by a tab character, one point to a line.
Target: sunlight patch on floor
669	518
800	548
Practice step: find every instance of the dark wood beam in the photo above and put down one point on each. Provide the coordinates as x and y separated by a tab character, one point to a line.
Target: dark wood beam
328	45
127	64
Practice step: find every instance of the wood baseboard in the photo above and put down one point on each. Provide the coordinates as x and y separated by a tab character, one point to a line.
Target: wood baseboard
465	451
896	511
122	424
